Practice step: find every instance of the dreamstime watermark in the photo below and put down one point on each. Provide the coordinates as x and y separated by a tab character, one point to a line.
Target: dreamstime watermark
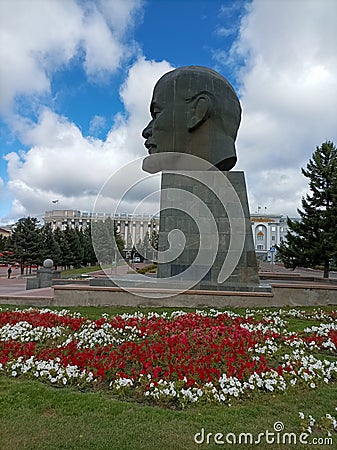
130	182
277	436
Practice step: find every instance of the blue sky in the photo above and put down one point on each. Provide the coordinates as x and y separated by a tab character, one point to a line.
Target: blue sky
76	80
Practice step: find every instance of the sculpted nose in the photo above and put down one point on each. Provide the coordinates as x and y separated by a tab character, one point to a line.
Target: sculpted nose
147	132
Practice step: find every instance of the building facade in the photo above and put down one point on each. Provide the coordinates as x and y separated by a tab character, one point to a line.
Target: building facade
269	230
4	231
132	227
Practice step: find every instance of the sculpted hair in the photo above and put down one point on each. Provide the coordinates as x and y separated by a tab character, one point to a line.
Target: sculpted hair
191	81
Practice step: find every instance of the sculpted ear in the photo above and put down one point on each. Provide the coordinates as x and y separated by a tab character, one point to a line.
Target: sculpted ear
200	110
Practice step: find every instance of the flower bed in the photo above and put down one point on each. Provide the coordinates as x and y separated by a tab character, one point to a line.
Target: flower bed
176	358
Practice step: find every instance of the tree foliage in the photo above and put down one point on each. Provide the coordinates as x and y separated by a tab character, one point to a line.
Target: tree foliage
312	240
3	243
51	248
107	241
26	243
89	256
29	244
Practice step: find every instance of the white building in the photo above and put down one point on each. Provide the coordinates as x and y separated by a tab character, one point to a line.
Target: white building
268	229
132	227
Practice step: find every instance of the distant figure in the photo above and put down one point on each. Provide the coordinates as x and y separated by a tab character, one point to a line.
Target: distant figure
9	271
194	111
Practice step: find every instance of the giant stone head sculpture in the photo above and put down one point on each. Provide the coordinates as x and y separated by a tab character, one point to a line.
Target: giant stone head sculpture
194	111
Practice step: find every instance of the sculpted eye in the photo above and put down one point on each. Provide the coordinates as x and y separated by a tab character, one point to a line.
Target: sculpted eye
155	113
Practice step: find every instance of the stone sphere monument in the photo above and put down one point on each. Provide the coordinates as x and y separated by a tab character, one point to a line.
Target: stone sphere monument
48	263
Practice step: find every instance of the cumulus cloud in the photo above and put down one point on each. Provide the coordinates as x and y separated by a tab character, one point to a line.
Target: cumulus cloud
288	94
63	164
97	124
136	95
288	91
37	37
121	14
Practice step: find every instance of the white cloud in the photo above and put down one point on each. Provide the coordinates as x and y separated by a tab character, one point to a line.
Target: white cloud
121	14
223	31
288	95
38	36
97	124
100	59
63	164
136	94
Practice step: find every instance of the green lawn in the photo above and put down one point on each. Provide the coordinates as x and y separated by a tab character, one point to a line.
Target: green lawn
71	273
34	415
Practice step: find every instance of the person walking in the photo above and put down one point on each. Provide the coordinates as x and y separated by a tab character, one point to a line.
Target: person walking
9	271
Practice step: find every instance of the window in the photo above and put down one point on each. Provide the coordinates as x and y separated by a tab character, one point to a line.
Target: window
260	236
273	238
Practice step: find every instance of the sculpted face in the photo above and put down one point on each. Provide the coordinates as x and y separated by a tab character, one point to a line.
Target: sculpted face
167	131
194	111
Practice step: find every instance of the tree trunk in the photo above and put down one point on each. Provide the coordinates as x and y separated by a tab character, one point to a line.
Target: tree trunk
326	268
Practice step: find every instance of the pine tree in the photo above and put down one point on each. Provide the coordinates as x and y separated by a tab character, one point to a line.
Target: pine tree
145	247
105	238
26	243
312	241
51	248
76	245
5	257
89	256
3	243
66	254
73	253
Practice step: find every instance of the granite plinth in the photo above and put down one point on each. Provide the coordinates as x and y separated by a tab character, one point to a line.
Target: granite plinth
215	205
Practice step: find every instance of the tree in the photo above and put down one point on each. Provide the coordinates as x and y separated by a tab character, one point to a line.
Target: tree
149	246
119	240
89	256
72	251
76	246
51	248
66	254
26	243
145	246
3	243
106	238
312	240
154	239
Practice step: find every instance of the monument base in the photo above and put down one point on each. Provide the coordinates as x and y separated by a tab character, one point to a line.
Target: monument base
43	279
210	209
136	282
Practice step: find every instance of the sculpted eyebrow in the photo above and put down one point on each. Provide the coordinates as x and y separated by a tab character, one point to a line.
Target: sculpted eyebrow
153	106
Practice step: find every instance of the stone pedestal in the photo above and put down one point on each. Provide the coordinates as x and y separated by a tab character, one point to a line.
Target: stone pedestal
210	210
44	278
